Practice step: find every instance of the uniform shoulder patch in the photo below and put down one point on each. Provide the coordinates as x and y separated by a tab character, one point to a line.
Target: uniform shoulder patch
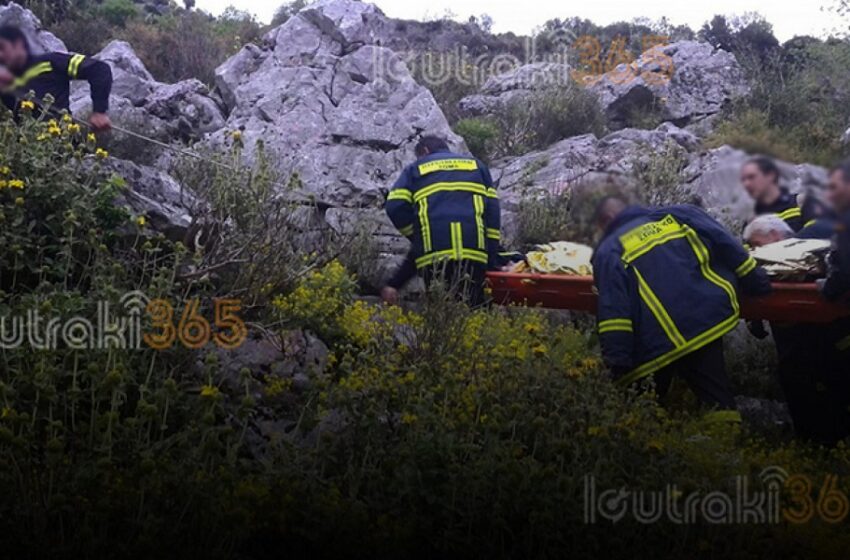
448	165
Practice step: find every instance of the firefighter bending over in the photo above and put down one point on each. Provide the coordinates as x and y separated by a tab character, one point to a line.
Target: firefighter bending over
668	282
446	205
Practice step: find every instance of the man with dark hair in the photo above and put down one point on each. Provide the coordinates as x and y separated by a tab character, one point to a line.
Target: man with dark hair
760	178
447	206
668	281
51	74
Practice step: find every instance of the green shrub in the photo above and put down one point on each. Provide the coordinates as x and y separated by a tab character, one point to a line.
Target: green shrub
481	136
118	12
546	117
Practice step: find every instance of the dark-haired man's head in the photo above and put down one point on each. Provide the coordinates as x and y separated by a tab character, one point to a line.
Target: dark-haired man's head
838	190
760	178
607	211
430	145
14	48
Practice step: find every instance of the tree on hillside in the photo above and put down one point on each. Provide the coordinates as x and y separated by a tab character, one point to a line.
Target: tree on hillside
286	11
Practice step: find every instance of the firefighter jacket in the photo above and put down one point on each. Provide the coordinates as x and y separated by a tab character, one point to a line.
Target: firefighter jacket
788	207
447	206
668	281
51	74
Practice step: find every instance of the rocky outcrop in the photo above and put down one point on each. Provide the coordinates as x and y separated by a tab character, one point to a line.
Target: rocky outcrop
516	86
709	177
686	81
40	40
170	113
328	105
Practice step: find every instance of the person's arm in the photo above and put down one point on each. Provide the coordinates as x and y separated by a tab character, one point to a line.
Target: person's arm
492	218
615	312
99	76
728	250
837	283
399	205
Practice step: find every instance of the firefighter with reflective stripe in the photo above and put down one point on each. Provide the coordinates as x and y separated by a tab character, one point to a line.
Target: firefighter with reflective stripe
446	205
760	178
815	390
668	281
51	74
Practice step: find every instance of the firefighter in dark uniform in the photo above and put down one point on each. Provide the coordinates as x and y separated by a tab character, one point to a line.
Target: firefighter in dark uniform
446	205
668	281
816	396
797	346
760	178
836	287
51	74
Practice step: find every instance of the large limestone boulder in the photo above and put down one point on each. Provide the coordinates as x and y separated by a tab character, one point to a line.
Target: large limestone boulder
40	41
328	105
169	113
687	81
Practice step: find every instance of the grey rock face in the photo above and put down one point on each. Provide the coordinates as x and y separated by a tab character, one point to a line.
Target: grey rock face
687	81
710	177
328	105
151	193
170	113
515	86
41	41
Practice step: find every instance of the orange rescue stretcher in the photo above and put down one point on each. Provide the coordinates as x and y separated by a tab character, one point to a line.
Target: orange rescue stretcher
789	303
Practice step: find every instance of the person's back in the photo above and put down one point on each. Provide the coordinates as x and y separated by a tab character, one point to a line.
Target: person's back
668	280
446	205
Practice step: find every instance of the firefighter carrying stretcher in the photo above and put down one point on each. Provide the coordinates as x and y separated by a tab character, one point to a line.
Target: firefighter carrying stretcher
668	281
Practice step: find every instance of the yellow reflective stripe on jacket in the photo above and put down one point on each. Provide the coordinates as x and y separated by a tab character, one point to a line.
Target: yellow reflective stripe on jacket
457	240
646	237
478	202
493	233
425	224
723	416
657	309
692	345
448	165
474	188
748	266
406	231
32	73
795	212
810	223
705	267
450	254
612	325
74	65
400	194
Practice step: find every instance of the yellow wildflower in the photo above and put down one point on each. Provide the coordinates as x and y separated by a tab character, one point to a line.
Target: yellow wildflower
3	184
237	135
16	184
19	201
408	418
54	131
209	391
91	137
67	118
101	153
27	105
4	170
6	412
74	128
140	221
